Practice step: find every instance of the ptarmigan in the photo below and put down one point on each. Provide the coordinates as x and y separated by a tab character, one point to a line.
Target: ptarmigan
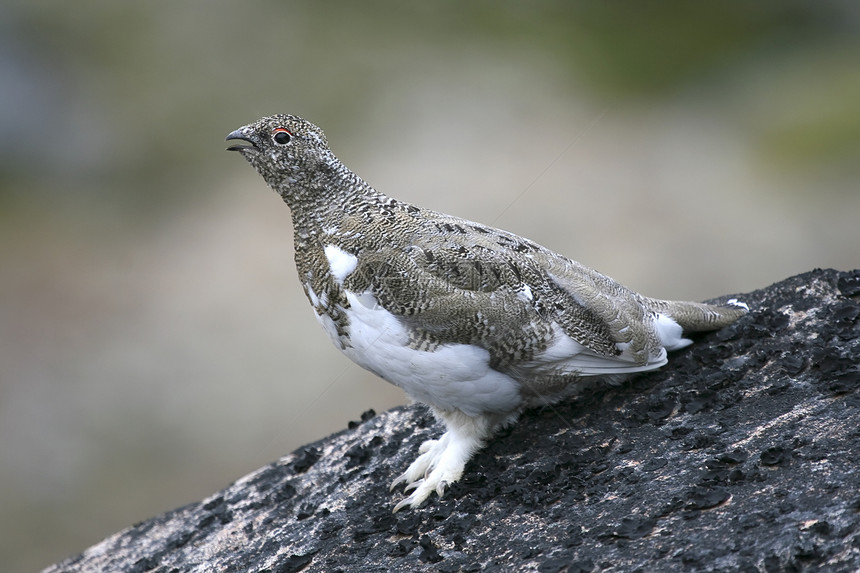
475	322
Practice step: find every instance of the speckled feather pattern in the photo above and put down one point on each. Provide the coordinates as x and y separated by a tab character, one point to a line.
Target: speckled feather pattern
414	295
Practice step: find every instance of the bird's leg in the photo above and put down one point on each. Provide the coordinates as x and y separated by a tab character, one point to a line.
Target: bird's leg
430	450
442	461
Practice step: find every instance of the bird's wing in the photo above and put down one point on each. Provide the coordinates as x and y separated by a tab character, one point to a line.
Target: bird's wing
521	302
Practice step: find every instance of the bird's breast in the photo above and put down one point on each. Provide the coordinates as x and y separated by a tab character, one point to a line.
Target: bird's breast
447	376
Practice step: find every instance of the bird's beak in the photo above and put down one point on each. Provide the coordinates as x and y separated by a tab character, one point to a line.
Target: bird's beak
241	134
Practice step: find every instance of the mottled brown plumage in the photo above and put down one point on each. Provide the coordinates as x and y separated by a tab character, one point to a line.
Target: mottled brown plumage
474	321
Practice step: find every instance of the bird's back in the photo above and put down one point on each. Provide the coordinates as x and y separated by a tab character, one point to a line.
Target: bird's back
545	320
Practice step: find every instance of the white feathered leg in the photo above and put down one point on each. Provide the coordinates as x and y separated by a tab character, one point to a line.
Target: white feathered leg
442	461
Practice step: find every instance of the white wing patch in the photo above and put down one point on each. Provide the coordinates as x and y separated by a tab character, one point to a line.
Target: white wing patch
525	293
567	357
341	264
670	332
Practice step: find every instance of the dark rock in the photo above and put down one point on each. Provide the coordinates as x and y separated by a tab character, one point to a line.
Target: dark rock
740	455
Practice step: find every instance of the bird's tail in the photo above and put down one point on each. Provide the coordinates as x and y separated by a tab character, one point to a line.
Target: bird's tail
697	316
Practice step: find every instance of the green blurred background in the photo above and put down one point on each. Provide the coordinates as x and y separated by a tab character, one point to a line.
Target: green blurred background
154	342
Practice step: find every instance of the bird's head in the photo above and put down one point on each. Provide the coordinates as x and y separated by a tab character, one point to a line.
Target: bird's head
286	150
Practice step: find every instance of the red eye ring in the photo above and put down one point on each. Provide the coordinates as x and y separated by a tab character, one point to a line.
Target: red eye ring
281	135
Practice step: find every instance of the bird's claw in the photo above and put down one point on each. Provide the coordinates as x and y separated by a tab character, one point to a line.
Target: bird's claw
439	465
413	485
397	481
422	490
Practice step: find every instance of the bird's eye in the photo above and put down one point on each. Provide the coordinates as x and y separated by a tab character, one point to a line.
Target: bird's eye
281	136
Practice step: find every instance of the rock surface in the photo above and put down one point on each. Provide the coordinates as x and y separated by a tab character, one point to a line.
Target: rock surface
740	455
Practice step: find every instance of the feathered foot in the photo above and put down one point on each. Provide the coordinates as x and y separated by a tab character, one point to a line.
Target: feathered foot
442	461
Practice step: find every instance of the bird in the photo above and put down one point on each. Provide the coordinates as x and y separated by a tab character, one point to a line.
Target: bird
475	322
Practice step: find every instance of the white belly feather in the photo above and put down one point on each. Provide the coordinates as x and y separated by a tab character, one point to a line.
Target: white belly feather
452	376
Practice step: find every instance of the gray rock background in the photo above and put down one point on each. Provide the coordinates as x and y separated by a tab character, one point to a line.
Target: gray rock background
740	455
154	343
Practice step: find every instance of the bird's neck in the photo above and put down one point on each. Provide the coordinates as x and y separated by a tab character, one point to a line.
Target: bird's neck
325	199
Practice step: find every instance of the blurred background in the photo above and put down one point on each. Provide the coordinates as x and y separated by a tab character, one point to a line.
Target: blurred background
155	344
